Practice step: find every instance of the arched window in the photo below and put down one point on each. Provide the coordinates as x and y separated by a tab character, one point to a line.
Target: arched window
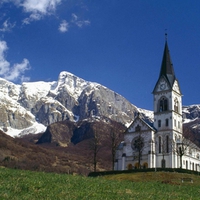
167	144
130	166
137	128
186	164
166	122
163	163
159	144
176	105
136	165
163	104
145	165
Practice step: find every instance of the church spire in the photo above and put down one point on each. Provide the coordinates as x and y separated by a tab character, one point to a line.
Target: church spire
167	69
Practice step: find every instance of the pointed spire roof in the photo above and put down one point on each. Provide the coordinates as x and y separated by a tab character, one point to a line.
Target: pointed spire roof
167	69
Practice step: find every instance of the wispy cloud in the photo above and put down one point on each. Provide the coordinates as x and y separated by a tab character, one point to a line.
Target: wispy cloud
64	26
7	26
80	23
15	72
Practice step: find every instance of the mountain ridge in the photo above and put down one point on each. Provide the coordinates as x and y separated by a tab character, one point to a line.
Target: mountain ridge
32	106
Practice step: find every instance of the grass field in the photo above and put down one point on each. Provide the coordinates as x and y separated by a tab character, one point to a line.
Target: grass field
18	184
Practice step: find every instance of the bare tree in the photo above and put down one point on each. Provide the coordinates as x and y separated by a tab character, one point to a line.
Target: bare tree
95	143
183	144
138	144
115	138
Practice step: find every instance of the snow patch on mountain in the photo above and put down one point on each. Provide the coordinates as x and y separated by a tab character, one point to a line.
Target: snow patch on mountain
34	129
37	90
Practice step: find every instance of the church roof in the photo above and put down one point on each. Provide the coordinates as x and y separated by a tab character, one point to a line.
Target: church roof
144	120
167	69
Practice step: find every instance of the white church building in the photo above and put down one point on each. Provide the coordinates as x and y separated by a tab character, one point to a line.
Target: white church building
160	144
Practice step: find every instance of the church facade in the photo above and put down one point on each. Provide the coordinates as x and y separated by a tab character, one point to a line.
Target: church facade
161	143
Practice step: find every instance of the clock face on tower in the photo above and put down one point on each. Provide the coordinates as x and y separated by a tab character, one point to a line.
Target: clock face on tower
163	85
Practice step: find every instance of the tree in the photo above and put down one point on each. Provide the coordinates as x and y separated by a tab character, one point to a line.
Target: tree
183	144
95	143
115	138
138	145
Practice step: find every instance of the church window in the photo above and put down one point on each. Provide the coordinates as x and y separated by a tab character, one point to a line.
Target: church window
159	144
166	122
163	104
159	123
130	166
180	150
145	165
167	144
163	163
175	138
176	105
186	164
136	165
178	124
137	128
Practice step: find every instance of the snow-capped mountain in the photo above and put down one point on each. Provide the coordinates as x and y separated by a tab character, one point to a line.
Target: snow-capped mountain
32	106
191	113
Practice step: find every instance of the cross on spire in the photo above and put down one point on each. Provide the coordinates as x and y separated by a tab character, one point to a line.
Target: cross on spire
166	35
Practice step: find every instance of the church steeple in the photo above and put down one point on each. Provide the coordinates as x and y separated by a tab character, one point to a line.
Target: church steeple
167	101
167	73
167	69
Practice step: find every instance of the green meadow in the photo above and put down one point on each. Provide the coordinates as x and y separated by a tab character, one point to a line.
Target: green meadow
19	184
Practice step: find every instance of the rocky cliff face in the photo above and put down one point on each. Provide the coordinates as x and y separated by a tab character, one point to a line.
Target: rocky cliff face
64	133
24	107
12	114
70	98
191	112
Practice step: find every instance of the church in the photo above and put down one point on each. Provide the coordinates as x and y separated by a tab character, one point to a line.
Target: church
159	144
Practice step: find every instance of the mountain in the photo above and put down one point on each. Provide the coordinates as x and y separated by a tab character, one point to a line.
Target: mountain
30	107
191	113
66	113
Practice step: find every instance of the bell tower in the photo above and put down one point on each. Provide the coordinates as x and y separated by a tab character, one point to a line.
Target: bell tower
167	112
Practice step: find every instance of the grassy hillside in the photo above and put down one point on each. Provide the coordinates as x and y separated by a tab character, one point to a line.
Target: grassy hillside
19	184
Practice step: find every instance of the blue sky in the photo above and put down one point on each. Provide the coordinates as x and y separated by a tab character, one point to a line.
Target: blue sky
117	43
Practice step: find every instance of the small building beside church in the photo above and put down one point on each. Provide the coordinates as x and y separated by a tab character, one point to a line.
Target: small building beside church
161	143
